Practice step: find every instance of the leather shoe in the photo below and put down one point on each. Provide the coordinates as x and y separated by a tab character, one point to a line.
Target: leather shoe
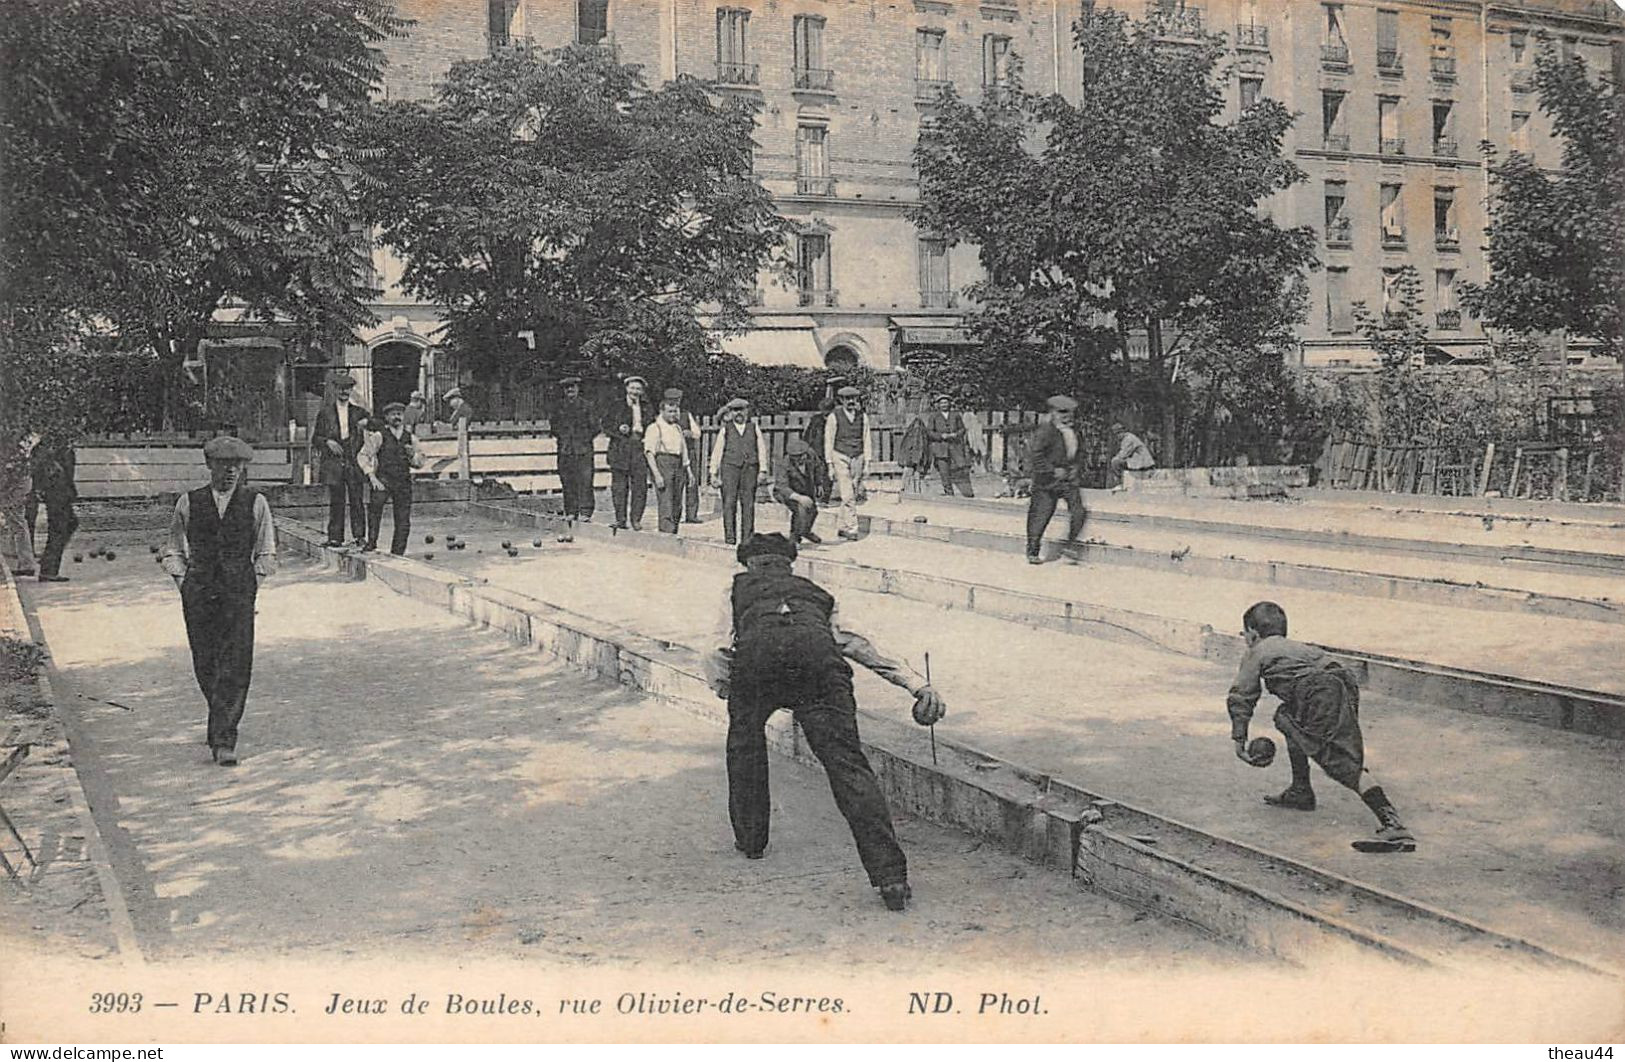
750	853
810	537
53	578
225	757
896	895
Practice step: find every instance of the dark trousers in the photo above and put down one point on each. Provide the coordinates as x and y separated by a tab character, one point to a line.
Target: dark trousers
669	499
575	476
399	495
802	518
220	628
691	492
1041	507
954	477
60	523
349	493
739	501
831	729
629	489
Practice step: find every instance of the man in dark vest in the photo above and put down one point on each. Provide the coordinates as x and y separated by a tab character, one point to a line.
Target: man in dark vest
795	483
53	469
222	544
337	437
847	449
387	458
628	469
1055	460
738	464
780	643
573	430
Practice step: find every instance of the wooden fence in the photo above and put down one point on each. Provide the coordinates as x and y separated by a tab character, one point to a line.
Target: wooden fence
1529	469
147	465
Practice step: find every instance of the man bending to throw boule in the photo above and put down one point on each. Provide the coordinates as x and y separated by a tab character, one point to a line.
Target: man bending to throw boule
781	644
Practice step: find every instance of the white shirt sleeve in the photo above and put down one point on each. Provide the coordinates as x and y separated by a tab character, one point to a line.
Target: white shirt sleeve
717	660
176	555
716	450
855	646
265	562
868	442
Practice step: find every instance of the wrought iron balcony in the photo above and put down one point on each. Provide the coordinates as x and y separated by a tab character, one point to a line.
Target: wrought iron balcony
1174	20
811	79
1389	61
1443	67
1450	320
1446	147
1523	81
501	42
737	74
938	300
821	186
1335	141
1448	240
1339	233
1391	145
930	89
1250	36
817	297
1334	56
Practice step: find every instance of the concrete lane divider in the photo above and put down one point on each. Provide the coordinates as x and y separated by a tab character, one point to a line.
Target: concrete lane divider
1100	842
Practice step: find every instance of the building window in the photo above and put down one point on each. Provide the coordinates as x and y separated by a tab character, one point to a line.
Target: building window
1390	142
1339	317
811	72
935	289
1392	304
1334	134
1444	129
1249	32
1447	315
592	21
812	270
1520	131
1442	57
995	61
1086	12
1392	216
1337	219
1334	50
505	24
1388	58
1518	40
1446	235
1251	89
929	76
733	51
812	161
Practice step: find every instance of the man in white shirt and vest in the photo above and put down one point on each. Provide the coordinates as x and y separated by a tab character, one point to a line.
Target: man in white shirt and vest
847	452
738	463
222	545
665	445
628	468
387	458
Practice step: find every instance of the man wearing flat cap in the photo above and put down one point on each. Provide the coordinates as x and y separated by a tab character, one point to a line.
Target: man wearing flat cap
1055	460
337	438
795	483
950	453
848	451
387	458
222	545
691	437
738	464
665	444
416	409
780	643
628	468
573	429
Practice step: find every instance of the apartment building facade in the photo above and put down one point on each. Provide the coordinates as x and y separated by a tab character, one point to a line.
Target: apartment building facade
1393	100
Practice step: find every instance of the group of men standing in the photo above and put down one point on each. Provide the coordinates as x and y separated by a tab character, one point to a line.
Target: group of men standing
357	455
39	472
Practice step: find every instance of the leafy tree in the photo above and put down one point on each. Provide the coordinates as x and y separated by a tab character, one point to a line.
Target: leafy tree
555	193
1399	335
1557	242
166	158
1132	211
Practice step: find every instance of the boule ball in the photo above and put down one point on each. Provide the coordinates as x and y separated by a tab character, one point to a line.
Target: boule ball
429	539
78	558
110	555
536	542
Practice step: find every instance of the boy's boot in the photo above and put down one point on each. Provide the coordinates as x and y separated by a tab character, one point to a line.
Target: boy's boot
1297	796
1389	828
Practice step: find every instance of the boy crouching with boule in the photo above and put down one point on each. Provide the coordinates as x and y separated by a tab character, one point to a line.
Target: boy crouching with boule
1319	716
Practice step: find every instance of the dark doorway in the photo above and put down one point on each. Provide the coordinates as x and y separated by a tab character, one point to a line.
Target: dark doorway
841	356
394	373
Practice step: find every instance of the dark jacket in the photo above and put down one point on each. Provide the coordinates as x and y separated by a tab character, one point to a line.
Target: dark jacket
53	471
626	450
334	466
573	427
947	434
795	475
1047	462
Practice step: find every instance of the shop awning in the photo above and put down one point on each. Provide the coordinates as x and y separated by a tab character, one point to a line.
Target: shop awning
932	331
793	345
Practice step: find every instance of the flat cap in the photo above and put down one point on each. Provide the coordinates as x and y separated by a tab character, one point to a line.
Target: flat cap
672	394
227	448
849	392
796	445
1062	403
570	381
636	379
943	398
343	380
417	396
737	403
392	407
455	392
760	545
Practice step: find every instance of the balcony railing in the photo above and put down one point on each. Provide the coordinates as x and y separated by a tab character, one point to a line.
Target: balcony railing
1250	36
1389	61
817	297
811	79
938	300
1450	320
1335	141
737	73
1391	145
1449	240
1523	81
1443	67
821	186
1180	21
930	89
1446	147
1339	232
500	42
1393	241
1334	56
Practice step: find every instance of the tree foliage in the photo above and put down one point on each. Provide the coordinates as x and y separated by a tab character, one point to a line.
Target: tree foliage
1557	241
556	194
164	158
1133	212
